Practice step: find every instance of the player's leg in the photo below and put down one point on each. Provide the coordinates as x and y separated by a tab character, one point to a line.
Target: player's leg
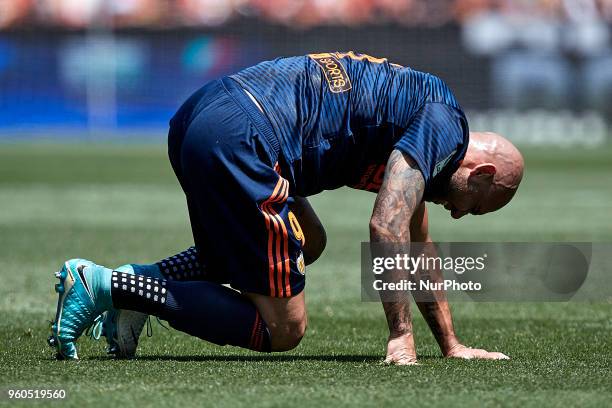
214	312
183	266
247	236
285	317
122	328
204	309
244	231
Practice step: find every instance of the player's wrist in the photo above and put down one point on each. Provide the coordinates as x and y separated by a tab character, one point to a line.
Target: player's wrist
399	335
401	330
402	344
449	344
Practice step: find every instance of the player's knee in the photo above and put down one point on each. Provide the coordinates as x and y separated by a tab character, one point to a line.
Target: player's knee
288	335
285	319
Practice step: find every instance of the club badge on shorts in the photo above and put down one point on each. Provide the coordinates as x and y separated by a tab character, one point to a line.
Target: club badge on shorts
301	264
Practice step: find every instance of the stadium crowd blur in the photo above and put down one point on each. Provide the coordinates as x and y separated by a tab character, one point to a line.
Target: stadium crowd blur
297	13
548	60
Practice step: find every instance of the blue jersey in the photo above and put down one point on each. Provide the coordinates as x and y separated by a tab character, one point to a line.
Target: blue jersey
338	116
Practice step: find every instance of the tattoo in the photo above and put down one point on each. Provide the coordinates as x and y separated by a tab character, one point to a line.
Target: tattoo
399	196
397	200
399	317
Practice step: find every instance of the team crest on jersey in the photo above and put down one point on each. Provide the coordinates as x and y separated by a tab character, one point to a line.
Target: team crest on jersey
335	74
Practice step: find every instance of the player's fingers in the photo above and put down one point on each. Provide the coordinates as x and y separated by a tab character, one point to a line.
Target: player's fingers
486	355
499	356
461	352
480	353
464	354
469	353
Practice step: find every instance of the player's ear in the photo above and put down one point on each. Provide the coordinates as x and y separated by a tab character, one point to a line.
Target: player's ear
485	171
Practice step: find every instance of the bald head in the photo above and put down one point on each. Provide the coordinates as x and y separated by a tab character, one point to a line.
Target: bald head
488	177
491	148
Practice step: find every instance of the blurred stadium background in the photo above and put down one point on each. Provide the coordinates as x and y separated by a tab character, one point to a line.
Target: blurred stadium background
539	71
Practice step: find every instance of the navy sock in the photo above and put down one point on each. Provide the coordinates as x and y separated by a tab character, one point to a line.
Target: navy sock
207	310
183	266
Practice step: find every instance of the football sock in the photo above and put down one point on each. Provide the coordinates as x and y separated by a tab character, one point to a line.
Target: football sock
182	266
150	271
203	309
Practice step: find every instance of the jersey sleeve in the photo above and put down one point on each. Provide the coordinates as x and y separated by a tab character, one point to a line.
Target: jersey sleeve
436	139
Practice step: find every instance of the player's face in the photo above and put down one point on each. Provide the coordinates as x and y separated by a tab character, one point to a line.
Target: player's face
466	195
462	205
477	197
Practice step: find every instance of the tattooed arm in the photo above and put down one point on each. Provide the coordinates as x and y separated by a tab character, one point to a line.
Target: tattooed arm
398	199
400	217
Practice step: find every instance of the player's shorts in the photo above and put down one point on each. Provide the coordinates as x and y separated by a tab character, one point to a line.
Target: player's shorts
226	157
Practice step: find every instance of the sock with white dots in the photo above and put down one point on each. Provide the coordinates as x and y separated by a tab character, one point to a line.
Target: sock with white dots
207	310
131	291
184	266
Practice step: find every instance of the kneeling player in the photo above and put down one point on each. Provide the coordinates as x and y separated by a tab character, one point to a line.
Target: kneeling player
245	149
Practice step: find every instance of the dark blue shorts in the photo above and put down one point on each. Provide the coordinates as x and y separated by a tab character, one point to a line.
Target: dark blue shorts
226	158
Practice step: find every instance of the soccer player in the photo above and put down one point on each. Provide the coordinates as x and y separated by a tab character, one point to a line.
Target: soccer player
247	149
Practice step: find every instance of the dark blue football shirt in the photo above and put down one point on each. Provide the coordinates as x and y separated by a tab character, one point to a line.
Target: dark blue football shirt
338	116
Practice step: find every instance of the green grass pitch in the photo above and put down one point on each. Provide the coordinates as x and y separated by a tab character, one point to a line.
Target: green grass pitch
119	204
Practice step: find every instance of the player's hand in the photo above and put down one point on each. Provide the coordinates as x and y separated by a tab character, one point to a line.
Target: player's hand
461	351
401	351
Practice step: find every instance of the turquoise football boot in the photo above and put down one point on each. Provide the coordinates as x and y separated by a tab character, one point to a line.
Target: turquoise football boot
84	294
